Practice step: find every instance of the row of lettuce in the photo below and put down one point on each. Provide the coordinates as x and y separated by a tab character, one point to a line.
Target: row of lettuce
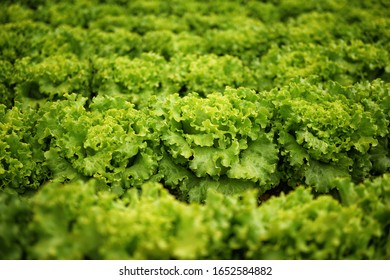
234	140
76	221
151	74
